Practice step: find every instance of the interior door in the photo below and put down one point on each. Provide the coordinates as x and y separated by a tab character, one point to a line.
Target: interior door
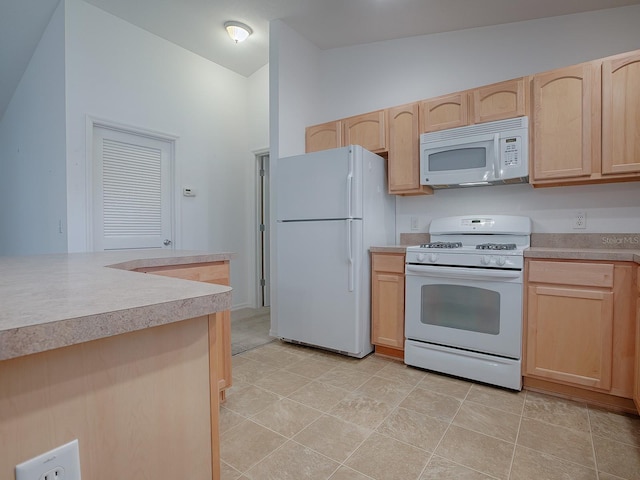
319	285
132	186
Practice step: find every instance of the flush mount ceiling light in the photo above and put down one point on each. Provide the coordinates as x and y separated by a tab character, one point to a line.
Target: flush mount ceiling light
238	32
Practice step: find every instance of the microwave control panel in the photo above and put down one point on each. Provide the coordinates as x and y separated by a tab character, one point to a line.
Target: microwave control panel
511	151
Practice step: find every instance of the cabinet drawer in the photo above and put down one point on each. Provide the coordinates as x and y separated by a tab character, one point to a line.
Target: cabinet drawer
388	263
217	272
582	274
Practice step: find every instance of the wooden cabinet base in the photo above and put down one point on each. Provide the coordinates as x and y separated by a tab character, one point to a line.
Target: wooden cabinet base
389	352
610	402
140	404
217	273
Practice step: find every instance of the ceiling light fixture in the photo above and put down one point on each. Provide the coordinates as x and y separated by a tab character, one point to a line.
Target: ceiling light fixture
238	32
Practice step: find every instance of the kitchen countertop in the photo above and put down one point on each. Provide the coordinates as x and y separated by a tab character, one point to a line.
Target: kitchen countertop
606	254
389	249
613	247
52	301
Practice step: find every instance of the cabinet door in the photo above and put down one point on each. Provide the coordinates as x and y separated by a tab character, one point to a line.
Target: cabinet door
387	300
500	101
621	114
403	167
368	130
636	386
566	123
217	273
448	111
569	335
323	137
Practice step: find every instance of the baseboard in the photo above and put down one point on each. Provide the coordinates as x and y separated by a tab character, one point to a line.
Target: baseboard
248	312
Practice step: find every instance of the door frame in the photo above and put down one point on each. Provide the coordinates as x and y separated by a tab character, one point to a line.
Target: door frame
263	258
93	122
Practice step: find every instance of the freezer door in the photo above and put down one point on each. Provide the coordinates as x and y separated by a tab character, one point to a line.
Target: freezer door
320	185
321	298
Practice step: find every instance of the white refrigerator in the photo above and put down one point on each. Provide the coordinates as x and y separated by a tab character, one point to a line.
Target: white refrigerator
331	206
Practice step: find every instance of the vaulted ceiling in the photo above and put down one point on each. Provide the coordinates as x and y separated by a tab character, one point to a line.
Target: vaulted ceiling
197	25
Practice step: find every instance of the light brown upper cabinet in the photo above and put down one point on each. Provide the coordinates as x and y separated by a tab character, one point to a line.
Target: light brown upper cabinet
585	122
564	103
403	167
448	111
368	130
621	114
498	101
323	137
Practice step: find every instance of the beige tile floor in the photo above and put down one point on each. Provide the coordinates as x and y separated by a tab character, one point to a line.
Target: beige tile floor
301	413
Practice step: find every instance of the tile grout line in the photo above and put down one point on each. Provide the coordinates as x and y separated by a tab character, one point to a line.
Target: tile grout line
291	438
371	373
444	434
593	446
374	431
515	443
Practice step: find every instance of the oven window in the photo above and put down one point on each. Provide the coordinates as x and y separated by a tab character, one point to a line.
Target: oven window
458	159
462	308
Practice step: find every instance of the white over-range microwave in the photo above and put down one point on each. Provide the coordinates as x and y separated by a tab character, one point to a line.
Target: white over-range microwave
483	154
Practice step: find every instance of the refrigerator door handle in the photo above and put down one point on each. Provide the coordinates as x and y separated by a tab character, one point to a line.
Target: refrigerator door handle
351	273
350	185
349	194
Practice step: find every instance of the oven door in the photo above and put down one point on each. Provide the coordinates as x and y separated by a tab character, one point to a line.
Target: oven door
469	308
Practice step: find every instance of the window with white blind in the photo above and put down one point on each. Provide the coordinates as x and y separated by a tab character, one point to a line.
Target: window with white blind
132	190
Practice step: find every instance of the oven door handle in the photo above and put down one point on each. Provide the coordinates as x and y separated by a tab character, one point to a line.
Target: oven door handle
461	272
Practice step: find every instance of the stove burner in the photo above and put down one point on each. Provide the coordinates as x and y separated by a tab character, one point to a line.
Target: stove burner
496	246
442	245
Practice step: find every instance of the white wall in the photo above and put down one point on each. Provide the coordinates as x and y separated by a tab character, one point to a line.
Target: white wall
383	74
258	138
258	110
363	78
294	88
294	64
32	153
123	74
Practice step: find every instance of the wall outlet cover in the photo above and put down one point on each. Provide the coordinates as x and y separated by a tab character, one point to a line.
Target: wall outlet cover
579	220
61	463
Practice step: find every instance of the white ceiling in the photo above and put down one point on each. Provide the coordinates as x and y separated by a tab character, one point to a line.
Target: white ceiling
197	25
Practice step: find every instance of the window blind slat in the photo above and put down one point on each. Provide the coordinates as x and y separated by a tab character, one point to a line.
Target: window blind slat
132	176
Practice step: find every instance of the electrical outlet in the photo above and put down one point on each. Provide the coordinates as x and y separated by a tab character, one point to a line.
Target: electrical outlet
61	463
414	223
580	220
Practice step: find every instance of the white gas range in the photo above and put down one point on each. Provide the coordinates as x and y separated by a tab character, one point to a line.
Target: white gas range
463	301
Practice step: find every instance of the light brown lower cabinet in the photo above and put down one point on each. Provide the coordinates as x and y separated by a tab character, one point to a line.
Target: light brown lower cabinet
580	327
212	272
123	397
387	303
636	389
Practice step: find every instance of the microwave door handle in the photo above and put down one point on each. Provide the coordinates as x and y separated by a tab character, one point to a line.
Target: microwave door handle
497	174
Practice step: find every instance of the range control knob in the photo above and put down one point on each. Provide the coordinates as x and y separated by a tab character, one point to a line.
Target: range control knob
433	257
420	257
501	261
485	260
